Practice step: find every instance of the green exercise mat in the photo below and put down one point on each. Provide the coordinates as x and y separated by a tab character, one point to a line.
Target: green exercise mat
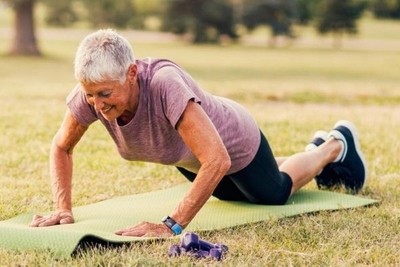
96	223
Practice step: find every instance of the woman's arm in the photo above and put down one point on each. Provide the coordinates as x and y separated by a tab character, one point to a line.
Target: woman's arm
61	165
200	135
203	140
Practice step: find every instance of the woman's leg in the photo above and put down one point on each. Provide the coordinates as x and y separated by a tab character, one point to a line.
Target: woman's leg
280	160
269	180
304	166
261	181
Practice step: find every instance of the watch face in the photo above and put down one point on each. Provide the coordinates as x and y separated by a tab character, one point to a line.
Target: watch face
175	228
169	221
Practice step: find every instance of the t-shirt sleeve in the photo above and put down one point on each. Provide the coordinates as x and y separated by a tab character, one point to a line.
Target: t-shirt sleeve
80	108
174	90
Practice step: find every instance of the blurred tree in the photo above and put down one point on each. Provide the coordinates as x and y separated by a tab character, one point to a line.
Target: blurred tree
147	12
305	10
339	17
386	8
279	15
60	12
206	20
103	13
24	39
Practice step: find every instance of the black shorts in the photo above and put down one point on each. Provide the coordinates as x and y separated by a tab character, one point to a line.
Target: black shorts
260	182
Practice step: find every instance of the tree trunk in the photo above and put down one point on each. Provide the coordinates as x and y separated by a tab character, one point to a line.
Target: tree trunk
337	39
24	42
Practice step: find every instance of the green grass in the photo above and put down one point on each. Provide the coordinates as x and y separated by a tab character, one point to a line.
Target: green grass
291	91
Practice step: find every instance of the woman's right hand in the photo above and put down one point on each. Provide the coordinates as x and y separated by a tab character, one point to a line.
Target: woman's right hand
58	217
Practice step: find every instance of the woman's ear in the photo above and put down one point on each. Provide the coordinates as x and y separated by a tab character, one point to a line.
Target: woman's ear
132	73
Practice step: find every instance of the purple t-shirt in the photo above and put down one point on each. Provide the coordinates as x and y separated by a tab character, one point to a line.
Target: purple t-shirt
151	135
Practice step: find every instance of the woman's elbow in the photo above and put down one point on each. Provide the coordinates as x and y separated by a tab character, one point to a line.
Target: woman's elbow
224	163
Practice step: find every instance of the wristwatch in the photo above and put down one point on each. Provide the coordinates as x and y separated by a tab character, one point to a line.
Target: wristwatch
171	223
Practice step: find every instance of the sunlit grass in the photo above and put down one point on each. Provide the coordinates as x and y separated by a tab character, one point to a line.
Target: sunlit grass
380	29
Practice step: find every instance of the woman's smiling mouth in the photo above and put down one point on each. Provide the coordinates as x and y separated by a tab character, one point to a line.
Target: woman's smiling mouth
105	110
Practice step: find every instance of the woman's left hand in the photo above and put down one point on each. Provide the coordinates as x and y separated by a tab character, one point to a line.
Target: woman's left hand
146	229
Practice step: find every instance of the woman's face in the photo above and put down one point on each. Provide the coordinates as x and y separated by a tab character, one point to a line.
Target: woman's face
111	98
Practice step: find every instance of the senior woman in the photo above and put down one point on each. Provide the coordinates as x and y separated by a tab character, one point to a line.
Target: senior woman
155	112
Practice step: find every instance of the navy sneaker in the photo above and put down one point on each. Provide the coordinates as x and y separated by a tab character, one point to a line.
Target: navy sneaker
328	178
351	167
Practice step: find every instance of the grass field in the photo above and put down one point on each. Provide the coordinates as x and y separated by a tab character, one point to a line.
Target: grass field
291	91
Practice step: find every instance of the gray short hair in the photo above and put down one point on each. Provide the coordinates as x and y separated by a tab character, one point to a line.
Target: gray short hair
103	55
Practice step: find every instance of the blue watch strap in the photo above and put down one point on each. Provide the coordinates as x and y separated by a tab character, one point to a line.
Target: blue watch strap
175	227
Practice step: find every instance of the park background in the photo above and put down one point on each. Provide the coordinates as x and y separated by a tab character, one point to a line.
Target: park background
298	66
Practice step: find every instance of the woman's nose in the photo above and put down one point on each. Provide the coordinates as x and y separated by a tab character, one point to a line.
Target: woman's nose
98	103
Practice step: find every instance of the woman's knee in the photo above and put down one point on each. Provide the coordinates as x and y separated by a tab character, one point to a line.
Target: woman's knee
279	195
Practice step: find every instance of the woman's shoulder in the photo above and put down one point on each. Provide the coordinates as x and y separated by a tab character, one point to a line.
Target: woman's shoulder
75	94
151	67
79	107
